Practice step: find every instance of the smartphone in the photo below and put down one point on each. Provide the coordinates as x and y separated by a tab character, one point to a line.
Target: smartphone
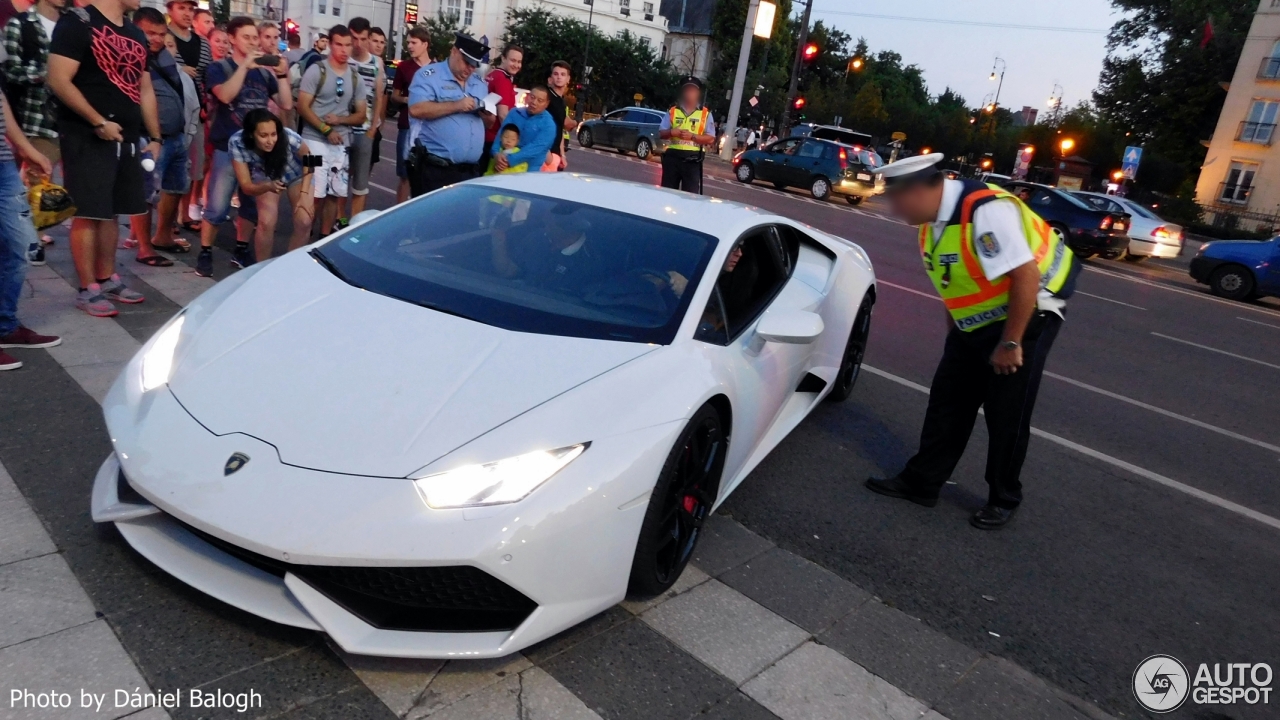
312	161
268	60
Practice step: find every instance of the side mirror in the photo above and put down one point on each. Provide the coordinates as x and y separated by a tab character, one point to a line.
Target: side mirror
793	327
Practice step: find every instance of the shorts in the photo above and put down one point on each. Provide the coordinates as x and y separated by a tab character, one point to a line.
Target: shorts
218	189
196	154
104	178
331	177
174	166
361	162
402	149
47	147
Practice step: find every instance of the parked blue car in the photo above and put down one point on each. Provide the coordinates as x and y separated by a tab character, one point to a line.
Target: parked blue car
1239	269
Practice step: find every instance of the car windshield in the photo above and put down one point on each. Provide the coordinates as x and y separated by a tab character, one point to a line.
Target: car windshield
1075	200
1136	209
1099	202
527	263
870	158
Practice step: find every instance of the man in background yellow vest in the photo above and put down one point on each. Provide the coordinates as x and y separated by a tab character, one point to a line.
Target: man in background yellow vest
688	129
1004	276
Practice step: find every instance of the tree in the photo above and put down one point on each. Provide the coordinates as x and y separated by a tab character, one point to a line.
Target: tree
443	27
1159	84
867	110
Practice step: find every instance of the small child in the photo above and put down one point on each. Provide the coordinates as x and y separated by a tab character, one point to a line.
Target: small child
510	140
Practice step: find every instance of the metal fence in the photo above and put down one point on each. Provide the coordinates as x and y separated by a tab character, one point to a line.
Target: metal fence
1236	218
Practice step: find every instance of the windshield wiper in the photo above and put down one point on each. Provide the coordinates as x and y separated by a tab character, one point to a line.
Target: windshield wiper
330	266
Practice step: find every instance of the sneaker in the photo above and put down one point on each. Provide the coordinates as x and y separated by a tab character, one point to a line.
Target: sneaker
35	254
242	257
46	239
9	362
204	263
92	301
341	223
115	289
25	337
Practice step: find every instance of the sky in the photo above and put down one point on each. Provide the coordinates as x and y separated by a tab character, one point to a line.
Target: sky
962	56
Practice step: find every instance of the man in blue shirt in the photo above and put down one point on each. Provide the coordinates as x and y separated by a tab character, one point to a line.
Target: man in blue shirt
447	119
537	132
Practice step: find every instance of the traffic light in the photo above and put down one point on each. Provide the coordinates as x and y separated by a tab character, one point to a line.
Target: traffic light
290	26
798	104
810	53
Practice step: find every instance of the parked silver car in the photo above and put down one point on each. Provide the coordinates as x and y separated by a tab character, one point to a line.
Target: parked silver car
1149	234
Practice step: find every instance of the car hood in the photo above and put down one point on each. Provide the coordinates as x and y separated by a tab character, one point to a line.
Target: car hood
344	380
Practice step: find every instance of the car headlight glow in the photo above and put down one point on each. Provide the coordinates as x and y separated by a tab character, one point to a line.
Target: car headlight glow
158	362
495	483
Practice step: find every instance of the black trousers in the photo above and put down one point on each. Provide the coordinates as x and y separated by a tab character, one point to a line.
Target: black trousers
682	170
425	177
964	382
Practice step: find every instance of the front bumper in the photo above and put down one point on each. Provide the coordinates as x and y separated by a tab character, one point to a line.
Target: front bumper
263	538
1202	267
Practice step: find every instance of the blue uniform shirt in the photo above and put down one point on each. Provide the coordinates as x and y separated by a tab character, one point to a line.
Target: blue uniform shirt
537	135
458	137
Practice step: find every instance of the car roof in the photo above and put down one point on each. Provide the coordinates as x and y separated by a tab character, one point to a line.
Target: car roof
712	216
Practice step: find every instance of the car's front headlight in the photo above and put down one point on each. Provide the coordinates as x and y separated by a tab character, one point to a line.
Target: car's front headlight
495	483
157	363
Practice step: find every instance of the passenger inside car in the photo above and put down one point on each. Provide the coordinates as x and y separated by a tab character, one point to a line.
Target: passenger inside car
556	257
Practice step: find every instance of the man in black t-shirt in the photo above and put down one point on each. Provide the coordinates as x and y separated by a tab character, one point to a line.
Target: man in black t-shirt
98	70
558	82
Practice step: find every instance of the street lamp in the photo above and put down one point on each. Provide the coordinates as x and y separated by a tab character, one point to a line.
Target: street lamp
1118	175
926	150
999	63
1066	145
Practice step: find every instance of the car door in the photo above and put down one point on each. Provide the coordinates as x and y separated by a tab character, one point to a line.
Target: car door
772	166
608	127
1269	279
627	130
806	163
763	375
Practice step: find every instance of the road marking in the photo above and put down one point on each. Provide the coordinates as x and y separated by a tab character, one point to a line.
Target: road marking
1181	291
1141	472
1256	322
913	291
1166	413
1214	349
1136	307
383	188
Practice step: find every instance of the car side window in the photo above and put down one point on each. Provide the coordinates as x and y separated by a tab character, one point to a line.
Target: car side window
811	149
637	116
652	118
1040	198
753	274
617	115
786	147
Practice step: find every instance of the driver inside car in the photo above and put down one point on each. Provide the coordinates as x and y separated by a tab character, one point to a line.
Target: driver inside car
557	257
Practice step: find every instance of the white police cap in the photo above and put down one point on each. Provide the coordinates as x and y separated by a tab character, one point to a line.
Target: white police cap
907	170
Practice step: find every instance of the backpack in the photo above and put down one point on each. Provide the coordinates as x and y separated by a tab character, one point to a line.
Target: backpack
211	101
28	50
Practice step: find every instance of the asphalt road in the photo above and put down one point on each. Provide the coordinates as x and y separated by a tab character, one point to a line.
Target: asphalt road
1150	522
1104	565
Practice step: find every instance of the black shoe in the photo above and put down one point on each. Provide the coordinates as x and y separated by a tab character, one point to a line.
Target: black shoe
895	487
204	263
992	517
242	257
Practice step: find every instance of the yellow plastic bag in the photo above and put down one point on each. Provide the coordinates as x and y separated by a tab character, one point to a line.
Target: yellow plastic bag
50	204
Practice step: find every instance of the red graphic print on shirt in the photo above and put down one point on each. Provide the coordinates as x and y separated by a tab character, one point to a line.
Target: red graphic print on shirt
122	60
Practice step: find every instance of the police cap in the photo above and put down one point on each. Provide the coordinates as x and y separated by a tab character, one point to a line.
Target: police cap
693	80
910	171
472	49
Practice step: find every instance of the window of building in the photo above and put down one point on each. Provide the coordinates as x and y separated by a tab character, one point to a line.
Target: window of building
1239	183
1261	123
648	11
337	8
624	7
468	18
453	8
1270	69
322	5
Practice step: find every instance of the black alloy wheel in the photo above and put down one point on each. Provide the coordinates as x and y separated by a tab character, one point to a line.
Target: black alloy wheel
1233	282
585	139
680	503
854	351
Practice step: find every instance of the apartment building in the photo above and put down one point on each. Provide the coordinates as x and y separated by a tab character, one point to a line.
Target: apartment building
1240	179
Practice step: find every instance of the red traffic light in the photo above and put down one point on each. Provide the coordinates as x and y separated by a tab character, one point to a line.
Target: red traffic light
798	104
290	26
810	52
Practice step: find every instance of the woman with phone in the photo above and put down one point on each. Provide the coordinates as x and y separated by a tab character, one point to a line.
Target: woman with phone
270	160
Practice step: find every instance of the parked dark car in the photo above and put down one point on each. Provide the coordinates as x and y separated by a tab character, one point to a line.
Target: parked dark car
1088	230
823	167
1239	269
631	129
832	132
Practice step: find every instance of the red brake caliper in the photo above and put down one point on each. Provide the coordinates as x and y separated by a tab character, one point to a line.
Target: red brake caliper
690	502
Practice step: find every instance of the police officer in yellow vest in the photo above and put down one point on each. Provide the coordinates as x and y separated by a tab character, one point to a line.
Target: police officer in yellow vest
1004	277
688	129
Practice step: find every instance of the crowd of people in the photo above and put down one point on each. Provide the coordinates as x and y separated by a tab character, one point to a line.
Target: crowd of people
180	123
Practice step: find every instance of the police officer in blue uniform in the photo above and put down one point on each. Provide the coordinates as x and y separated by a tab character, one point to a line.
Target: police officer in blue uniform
447	119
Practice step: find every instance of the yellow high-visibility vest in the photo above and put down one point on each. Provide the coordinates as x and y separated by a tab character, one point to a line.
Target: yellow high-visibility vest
695	122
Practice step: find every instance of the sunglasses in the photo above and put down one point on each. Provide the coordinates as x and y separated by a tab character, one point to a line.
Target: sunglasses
340	84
